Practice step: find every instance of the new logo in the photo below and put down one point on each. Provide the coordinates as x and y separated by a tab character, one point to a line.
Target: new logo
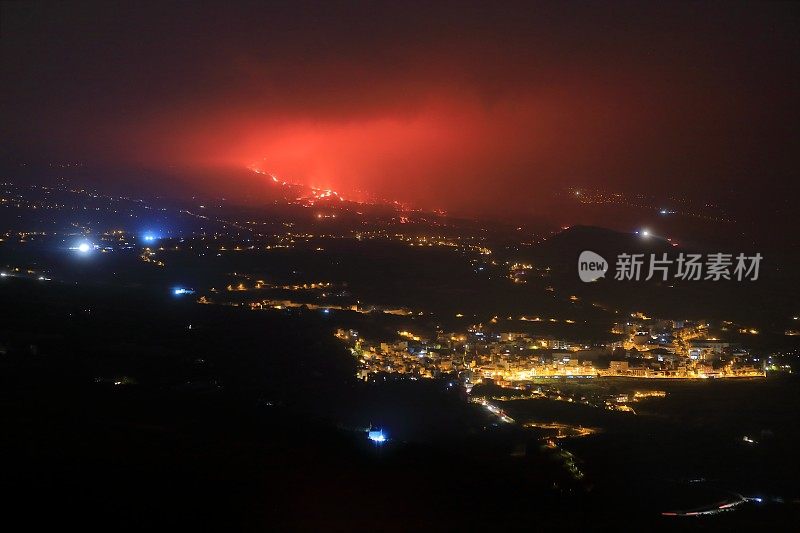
591	266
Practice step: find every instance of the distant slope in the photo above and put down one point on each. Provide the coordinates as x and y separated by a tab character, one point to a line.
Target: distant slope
563	249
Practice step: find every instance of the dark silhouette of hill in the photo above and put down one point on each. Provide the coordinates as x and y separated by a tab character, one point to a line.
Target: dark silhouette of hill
696	299
565	247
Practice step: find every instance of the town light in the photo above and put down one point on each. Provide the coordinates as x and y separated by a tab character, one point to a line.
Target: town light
376	436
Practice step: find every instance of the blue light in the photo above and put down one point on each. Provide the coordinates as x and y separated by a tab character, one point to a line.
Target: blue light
83	247
376	436
148	237
182	290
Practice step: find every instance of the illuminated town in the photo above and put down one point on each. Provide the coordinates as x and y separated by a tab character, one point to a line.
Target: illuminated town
414	266
666	349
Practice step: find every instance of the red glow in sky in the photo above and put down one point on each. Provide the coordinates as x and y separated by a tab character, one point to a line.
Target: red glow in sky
448	149
467	107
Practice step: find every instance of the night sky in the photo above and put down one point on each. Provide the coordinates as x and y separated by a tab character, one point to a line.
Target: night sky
477	107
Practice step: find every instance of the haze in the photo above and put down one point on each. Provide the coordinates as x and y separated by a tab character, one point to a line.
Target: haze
469	107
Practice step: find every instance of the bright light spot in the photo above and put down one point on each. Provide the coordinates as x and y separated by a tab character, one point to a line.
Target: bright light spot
84	247
182	290
376	436
645	233
148	237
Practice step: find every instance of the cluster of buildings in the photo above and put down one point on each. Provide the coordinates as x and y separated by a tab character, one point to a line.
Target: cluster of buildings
645	349
653	348
475	356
